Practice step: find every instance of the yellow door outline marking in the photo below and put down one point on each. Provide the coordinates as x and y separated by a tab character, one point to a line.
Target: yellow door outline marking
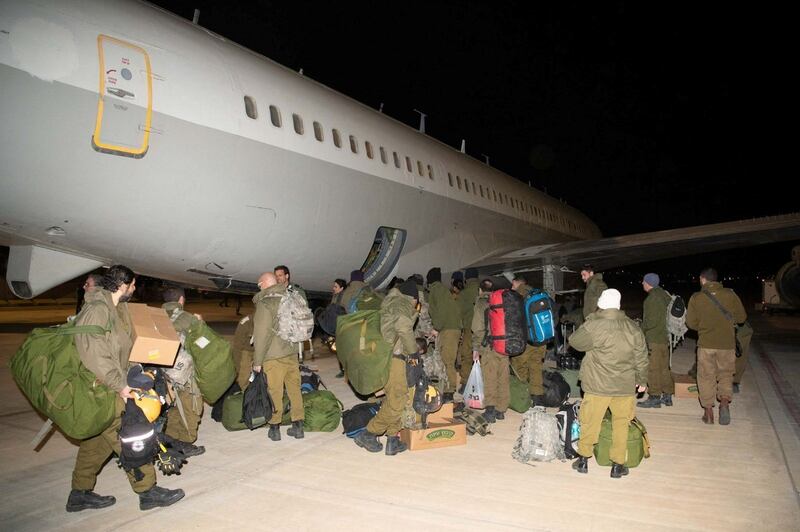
111	148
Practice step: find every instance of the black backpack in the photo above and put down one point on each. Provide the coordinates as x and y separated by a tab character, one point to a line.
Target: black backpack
678	308
138	439
309	380
326	319
354	420
569	428
257	405
556	389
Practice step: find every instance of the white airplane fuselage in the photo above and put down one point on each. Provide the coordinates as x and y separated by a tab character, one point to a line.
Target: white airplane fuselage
132	136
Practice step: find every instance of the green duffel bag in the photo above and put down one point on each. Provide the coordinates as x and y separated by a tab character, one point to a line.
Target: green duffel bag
323	411
638	443
232	412
364	354
368	299
213	364
48	370
519	396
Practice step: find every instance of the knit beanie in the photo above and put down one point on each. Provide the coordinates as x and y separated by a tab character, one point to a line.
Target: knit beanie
356	275
609	298
409	288
457	276
434	275
652	279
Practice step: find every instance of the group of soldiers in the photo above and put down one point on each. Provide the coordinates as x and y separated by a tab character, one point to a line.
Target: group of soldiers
621	359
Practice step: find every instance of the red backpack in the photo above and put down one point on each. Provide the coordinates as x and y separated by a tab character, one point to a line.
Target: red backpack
505	322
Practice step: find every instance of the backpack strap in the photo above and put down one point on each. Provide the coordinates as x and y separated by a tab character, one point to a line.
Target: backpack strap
728	315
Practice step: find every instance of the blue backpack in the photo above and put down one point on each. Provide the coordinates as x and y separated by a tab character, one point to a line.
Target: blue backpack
539	318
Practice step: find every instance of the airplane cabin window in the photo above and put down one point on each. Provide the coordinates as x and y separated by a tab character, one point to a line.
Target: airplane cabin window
275	116
481	187
298	123
474	189
430	172
384	160
337	139
466	184
318	132
396	159
408	164
494	193
368	147
353	144
419	167
458	180
450	178
250	107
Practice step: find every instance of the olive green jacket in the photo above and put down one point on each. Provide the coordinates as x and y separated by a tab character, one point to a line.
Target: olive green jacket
466	300
243	334
479	325
184	321
443	308
714	331
105	355
594	288
350	292
268	345
398	314
654	316
616	354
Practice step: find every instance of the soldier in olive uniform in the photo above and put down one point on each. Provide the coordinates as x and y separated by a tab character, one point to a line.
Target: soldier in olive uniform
242	350
466	301
398	314
446	319
277	357
494	365
183	421
613	370
654	326
107	357
528	365
716	343
594	287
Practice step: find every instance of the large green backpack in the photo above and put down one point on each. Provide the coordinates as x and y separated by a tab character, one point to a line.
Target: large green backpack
321	409
48	370
232	412
519	396
638	443
213	364
364	354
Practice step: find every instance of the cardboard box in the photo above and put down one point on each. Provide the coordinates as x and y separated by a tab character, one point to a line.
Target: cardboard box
443	431
685	386
154	338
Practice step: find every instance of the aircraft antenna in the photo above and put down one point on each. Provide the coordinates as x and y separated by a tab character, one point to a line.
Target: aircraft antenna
487	159
463	145
421	120
301	71
380	109
196	17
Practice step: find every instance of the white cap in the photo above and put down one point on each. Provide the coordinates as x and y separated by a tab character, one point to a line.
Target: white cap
609	299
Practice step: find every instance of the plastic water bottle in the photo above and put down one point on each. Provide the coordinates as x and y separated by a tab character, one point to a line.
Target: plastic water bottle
575	431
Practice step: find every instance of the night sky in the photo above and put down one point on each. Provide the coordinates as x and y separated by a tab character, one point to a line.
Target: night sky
635	113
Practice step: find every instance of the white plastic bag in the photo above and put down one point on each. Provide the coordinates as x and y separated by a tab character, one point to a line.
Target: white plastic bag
473	391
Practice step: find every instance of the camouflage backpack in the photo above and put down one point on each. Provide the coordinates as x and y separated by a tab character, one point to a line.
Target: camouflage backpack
676	320
295	319
476	423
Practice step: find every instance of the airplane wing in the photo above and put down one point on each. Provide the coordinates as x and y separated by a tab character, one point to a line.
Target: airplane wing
612	252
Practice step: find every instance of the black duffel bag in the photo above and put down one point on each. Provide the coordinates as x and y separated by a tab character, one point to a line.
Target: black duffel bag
556	389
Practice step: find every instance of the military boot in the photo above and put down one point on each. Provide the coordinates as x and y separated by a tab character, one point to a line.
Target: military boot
581	465
708	416
499	415
537	400
296	430
618	470
158	496
87	499
652	401
724	412
274	433
368	441
666	399
395	445
489	414
187	449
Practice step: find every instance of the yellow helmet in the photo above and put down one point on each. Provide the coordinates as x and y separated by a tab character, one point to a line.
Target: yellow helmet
149	402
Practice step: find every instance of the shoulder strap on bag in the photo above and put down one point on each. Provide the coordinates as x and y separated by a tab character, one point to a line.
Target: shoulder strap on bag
722	309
